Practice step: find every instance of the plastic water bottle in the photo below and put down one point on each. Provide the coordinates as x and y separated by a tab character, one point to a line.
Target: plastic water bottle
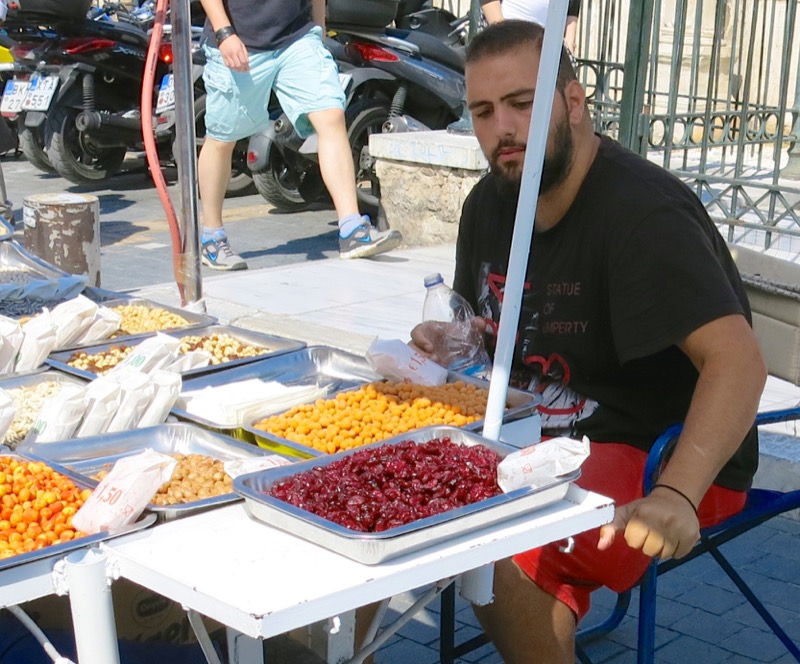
457	345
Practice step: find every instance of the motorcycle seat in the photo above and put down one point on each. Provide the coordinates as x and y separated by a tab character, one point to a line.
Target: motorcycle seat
432	47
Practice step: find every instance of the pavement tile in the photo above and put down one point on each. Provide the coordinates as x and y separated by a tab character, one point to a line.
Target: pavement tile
758	645
745	614
407	652
603	649
706	626
776	567
686	649
710	598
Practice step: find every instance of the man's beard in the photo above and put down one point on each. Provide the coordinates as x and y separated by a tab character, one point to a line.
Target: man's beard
554	169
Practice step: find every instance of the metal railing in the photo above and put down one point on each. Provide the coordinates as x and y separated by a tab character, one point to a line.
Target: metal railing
710	89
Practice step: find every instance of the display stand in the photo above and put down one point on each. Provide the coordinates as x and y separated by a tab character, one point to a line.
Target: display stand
262	582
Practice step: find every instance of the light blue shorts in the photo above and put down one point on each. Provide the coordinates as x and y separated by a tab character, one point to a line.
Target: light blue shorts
304	76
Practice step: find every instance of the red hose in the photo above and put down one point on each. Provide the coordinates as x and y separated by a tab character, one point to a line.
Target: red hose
152	151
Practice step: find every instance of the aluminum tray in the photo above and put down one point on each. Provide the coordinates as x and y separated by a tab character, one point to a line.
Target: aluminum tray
327	367
35	306
9	382
73	545
372	548
277	346
88	456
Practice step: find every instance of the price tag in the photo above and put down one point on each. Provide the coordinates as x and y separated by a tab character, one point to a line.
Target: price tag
166	94
13	96
40	93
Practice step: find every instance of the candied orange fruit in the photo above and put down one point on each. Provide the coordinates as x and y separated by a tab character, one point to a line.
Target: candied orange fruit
376	411
36	506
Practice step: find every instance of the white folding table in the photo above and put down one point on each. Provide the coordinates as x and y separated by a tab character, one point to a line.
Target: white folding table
261	581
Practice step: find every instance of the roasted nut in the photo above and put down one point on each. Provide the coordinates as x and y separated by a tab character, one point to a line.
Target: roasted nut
138	319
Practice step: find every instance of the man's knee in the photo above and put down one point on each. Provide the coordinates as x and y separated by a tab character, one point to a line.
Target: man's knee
328	121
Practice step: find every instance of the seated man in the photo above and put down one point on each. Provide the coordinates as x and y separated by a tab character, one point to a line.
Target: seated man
633	318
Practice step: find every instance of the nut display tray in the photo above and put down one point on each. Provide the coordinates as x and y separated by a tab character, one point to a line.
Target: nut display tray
275	346
73	545
372	548
194	320
88	456
10	382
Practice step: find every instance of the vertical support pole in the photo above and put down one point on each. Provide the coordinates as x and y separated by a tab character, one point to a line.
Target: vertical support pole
92	609
64	230
186	156
640	25
243	649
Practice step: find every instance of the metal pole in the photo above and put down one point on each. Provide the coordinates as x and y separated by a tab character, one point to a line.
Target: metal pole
476	585
640	23
186	155
92	609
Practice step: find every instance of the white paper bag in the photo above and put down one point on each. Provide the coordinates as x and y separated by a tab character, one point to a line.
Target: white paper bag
71	319
104	323
103	398
7	411
136	391
540	464
10	342
194	359
236	467
166	388
151	354
38	340
60	416
123	494
398	362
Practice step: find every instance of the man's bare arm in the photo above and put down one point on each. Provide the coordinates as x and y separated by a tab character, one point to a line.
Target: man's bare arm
318	12
492	11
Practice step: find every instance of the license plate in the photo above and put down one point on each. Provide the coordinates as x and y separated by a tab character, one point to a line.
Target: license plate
166	94
13	96
40	93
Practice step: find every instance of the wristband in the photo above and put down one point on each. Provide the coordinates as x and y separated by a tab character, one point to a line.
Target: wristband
223	33
680	493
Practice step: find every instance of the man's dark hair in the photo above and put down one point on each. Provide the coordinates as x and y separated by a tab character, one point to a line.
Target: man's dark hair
508	35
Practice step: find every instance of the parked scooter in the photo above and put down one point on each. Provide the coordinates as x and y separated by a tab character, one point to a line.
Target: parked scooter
395	80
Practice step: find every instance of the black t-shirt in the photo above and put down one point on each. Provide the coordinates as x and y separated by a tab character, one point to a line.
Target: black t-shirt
632	268
266	25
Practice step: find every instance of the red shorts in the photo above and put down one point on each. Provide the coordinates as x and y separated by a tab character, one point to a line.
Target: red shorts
571	577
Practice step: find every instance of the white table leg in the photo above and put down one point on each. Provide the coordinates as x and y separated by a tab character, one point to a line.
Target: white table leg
244	649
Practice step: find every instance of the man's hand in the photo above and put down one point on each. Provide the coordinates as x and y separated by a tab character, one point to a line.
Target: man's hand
234	54
662	525
427	337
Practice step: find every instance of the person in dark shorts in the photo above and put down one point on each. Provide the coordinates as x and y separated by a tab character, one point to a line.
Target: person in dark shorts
633	318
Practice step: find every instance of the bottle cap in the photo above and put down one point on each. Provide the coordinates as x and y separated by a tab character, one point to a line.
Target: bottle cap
433	279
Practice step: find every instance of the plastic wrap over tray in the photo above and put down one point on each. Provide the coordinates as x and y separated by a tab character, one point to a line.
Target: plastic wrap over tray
75	544
6	230
372	548
10	382
38	279
274	345
88	456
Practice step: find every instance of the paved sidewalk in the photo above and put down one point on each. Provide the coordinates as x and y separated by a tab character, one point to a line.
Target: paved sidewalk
347	303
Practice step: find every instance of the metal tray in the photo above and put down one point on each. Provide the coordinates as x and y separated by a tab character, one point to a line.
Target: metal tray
10	382
277	346
19	308
326	367
88	456
372	548
73	545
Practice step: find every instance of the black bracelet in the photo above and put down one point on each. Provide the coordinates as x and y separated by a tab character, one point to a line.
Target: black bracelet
680	493
223	33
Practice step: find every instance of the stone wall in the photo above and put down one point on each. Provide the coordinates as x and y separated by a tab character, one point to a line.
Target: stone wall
424	202
425	178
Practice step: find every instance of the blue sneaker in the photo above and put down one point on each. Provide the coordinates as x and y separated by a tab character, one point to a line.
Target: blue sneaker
367	241
217	254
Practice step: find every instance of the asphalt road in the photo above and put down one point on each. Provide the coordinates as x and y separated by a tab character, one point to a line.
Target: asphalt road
135	240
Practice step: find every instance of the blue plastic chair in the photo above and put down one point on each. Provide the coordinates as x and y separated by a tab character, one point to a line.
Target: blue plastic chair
762	505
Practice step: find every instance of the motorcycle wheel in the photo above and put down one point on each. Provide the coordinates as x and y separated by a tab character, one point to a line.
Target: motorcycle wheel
240	182
280	184
363	119
31	142
68	155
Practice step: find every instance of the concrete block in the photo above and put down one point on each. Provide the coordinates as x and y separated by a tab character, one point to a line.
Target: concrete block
758	645
688	649
430	148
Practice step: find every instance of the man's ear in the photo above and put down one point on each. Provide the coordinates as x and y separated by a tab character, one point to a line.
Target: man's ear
575	98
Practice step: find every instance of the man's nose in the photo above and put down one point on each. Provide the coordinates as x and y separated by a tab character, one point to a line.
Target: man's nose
504	123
